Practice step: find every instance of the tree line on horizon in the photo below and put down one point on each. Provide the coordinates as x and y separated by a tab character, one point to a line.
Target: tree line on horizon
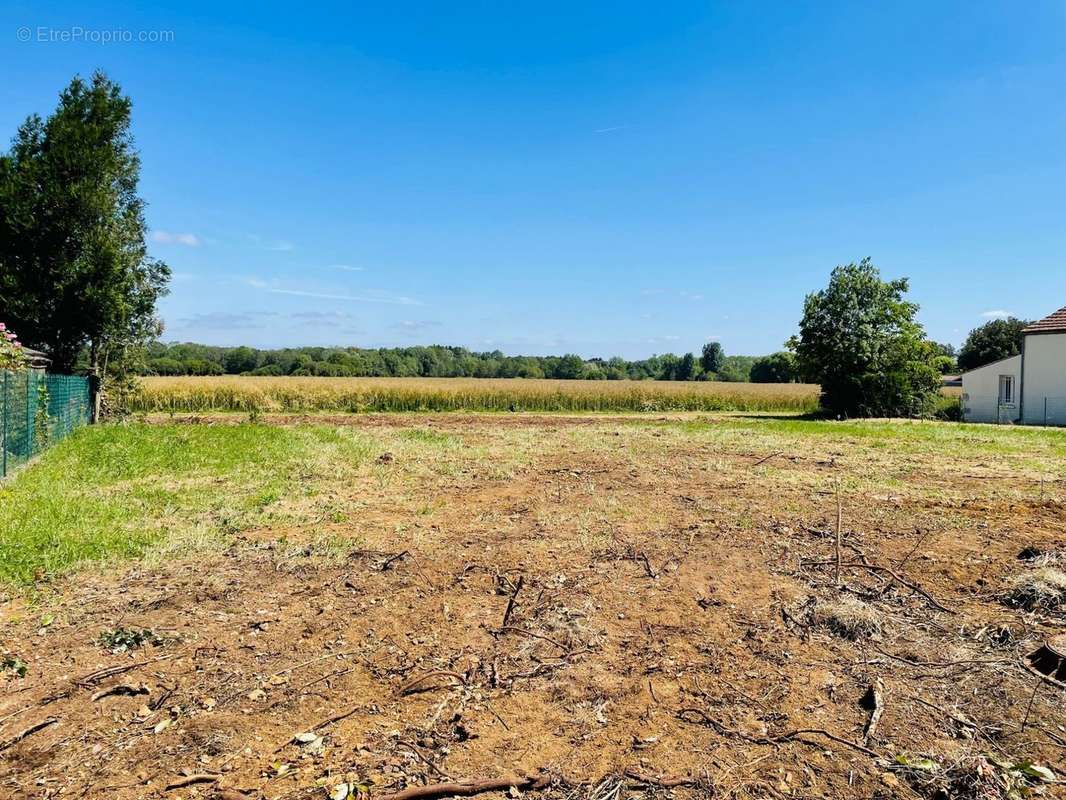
437	361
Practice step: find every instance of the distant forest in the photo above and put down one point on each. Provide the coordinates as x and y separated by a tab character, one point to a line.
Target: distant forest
457	362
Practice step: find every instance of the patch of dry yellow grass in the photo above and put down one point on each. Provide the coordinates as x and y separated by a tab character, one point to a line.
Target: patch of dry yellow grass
300	394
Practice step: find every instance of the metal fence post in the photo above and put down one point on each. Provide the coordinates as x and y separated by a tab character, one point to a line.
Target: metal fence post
1045	412
29	415
94	397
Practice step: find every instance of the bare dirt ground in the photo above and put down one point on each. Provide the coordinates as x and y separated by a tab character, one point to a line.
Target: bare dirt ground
615	605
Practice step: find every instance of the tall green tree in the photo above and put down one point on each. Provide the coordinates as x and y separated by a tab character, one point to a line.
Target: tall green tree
241	359
570	367
686	368
712	357
774	368
995	340
74	268
859	339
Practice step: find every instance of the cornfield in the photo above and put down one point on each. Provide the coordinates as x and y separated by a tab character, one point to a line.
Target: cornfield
360	395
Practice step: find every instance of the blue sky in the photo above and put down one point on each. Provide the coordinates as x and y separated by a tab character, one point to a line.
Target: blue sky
549	177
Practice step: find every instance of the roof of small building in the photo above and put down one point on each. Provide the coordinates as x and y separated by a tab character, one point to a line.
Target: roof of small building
1054	322
36	357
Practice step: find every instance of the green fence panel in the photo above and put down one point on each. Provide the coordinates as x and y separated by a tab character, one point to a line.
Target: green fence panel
37	410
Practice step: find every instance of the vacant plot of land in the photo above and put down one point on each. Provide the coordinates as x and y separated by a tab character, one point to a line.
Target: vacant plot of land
617	604
241	393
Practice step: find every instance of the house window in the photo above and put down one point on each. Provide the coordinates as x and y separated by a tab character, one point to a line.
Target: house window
1006	389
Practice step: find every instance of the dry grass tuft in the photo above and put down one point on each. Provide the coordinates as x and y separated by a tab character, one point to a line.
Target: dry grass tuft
1041	589
848	617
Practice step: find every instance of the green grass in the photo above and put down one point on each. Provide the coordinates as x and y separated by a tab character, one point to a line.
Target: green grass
159	491
915	435
116	491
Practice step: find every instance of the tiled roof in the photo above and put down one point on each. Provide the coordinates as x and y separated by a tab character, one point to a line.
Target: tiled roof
1055	322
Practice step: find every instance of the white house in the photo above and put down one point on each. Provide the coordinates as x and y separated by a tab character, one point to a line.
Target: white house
1030	387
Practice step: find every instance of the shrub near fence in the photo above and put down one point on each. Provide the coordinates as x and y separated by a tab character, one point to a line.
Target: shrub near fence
37	409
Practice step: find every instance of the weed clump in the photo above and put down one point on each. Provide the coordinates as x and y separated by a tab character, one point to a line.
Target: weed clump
120	640
984	777
1041	589
848	617
14	665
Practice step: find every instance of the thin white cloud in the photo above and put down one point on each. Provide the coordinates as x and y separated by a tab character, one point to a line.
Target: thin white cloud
684	294
275	245
369	296
415	326
613	128
346	267
224	320
996	314
169	237
320	316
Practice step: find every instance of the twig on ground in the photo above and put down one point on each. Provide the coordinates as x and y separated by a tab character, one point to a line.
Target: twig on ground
413	684
190	780
943	664
663	782
469	787
647	565
110	672
386	565
126	689
532	782
424	759
767	458
25	732
328	721
168	691
532	635
793	735
954	717
892	574
1029	708
511	600
903	561
314	661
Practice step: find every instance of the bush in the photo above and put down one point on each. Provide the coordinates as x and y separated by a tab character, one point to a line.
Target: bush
12	355
860	341
948	409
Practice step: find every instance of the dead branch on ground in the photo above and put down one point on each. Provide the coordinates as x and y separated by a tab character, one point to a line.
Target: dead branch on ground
191	780
25	732
875	701
695	715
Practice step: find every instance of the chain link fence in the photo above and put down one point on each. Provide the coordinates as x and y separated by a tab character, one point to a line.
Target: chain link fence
38	409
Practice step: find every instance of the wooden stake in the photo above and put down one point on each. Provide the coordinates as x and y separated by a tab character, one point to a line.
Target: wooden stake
840	530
